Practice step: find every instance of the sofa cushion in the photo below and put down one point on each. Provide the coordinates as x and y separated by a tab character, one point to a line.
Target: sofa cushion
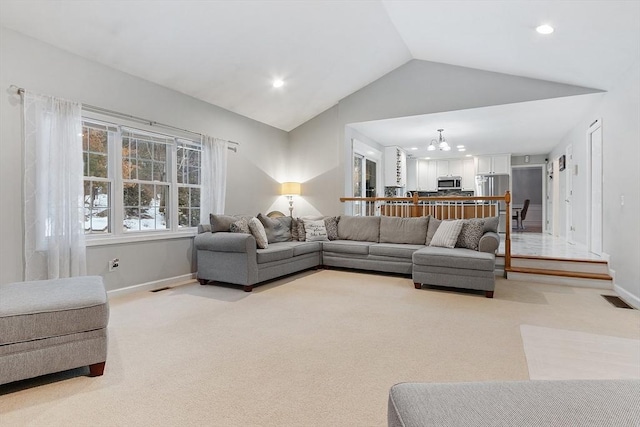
470	234
454	258
258	232
432	228
50	308
347	247
395	250
315	231
447	234
403	230
277	229
275	252
491	223
359	228
301	248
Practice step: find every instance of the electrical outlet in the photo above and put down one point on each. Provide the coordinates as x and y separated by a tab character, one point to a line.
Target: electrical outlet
113	264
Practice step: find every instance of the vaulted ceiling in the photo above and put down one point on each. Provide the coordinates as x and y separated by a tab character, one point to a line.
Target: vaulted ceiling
228	52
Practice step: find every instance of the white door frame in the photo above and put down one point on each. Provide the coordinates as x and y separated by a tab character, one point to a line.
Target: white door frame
595	246
543	187
569	194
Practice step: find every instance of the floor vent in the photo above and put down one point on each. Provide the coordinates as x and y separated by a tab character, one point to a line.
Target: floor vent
616	301
166	287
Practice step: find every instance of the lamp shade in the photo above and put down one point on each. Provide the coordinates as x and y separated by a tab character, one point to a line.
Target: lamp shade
290	189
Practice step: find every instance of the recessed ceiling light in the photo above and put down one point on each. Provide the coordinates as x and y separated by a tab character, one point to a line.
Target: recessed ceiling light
459	146
468	155
544	29
462	149
427	158
414	148
371	153
278	83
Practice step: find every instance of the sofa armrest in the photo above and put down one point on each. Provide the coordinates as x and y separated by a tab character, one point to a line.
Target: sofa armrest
489	242
226	242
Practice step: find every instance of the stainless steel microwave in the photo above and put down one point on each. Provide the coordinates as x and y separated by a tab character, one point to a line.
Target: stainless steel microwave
450	183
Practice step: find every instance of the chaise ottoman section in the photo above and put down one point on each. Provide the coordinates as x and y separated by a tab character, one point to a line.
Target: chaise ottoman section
52	325
454	267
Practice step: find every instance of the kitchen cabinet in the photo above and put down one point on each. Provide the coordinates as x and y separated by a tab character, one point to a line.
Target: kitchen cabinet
468	175
499	164
427	175
412	174
442	167
455	167
395	167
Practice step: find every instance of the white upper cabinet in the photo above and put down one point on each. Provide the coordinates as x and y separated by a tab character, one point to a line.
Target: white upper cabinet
412	174
442	167
500	163
455	167
395	167
468	174
427	175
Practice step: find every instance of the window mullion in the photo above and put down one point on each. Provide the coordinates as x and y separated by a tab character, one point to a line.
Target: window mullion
173	185
118	205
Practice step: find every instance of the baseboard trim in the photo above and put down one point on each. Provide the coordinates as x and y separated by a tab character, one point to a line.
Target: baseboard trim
151	285
627	297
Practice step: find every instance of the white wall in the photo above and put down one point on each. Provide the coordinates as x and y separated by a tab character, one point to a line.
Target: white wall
417	87
620	114
254	172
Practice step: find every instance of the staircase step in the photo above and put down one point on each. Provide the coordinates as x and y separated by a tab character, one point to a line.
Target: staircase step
561	277
560	264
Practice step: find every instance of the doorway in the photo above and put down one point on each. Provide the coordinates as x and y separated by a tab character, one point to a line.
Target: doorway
594	151
528	184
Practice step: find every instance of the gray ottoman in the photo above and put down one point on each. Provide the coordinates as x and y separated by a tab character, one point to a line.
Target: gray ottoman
516	403
49	326
454	267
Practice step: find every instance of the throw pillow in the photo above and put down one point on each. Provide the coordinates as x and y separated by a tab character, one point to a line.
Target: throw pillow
331	224
240	226
277	229
301	232
447	234
221	222
315	230
432	228
491	223
470	234
257	231
294	229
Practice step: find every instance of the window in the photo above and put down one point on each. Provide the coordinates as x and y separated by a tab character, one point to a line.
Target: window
138	181
189	180
96	140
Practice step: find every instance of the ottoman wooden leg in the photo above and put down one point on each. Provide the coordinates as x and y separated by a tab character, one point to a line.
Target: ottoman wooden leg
247	288
488	294
203	281
96	369
417	285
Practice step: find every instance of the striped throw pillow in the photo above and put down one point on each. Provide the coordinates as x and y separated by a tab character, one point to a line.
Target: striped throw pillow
447	234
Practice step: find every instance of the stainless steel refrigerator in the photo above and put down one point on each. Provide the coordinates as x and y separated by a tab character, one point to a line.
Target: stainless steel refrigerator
494	185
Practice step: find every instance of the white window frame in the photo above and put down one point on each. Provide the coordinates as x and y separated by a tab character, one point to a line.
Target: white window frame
117	232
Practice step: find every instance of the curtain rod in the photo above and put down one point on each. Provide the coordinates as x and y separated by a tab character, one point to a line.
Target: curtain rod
95	109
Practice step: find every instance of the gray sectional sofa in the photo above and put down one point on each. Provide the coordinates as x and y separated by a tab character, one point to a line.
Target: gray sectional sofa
379	243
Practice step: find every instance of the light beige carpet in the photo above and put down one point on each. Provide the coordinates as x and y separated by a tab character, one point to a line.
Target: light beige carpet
558	354
321	348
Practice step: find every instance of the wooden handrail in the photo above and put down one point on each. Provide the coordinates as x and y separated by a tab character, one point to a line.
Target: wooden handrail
416	201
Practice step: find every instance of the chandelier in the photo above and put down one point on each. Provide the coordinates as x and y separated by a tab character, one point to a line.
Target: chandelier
439	144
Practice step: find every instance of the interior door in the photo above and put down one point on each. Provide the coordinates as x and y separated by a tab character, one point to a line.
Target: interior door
550	194
594	140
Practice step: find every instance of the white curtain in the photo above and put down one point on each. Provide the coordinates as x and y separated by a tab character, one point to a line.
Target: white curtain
53	188
214	176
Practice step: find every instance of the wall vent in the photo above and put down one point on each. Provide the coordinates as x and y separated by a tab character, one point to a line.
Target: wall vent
617	302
